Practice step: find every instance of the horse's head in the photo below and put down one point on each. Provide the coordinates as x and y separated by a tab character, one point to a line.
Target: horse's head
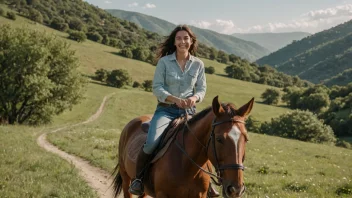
227	145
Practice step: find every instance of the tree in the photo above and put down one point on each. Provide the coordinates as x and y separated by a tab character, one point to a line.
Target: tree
106	40
209	70
136	84
94	36
11	15
300	125
2	12
127	52
38	77
101	75
119	78
77	36
35	15
148	85
271	96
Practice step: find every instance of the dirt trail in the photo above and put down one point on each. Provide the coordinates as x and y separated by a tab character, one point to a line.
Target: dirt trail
97	178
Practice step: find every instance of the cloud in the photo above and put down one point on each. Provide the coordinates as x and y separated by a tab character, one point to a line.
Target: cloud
107	2
134	4
219	25
149	5
312	21
336	12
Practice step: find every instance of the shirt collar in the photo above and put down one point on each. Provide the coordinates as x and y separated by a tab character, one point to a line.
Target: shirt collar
173	56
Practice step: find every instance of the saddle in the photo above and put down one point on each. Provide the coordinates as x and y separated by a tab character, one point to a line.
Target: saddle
167	137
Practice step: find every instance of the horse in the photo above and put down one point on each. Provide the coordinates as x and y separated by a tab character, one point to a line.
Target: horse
216	134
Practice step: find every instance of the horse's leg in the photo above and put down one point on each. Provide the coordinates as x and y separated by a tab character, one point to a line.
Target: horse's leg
143	196
126	180
161	195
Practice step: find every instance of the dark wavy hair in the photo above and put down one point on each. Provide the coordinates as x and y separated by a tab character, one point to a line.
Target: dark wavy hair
168	46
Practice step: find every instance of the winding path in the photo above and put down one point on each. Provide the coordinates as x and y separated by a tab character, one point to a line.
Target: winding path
96	178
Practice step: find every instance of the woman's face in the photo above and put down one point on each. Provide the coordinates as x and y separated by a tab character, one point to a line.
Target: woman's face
183	41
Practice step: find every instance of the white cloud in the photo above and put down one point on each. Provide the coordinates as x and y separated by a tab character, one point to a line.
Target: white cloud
312	21
149	5
336	12
134	4
107	2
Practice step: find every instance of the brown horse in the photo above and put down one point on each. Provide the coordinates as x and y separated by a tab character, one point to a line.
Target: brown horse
217	133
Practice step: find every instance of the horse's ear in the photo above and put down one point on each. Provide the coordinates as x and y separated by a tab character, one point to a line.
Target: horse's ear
217	108
246	109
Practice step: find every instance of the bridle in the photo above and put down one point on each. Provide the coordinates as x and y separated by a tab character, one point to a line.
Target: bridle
218	167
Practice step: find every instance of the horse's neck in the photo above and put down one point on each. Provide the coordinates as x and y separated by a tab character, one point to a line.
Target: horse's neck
196	149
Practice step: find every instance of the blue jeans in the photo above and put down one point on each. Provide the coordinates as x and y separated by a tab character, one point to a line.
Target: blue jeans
161	119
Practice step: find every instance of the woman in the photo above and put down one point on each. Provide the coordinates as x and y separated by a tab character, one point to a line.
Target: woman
179	83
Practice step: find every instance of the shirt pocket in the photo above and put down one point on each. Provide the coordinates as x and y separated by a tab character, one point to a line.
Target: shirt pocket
192	76
171	78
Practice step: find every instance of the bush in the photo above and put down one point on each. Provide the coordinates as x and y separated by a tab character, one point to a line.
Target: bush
127	52
300	125
101	75
35	15
210	70
77	36
271	96
94	36
136	84
37	88
252	124
148	85
11	15
119	78
2	12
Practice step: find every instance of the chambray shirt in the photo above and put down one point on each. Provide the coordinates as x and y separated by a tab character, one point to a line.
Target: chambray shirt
170	80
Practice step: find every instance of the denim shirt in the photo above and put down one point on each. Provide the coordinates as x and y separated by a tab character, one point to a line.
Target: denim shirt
170	80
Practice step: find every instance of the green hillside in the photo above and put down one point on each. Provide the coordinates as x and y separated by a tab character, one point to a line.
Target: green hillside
232	45
272	41
317	57
276	167
341	79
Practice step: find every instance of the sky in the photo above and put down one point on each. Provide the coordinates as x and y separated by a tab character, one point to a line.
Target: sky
242	16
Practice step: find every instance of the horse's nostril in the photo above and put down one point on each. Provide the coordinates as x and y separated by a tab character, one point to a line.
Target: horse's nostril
231	190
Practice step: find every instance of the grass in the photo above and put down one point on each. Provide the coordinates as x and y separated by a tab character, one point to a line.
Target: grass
26	170
277	167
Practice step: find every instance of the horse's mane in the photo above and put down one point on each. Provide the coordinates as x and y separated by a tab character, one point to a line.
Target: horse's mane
180	123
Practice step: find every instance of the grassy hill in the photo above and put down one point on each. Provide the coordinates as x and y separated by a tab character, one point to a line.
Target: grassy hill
232	45
272	41
276	167
317	57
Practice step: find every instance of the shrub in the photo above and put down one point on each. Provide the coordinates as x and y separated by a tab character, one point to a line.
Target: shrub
77	36
210	70
300	125
271	96
2	11
118	78
101	75
148	85
11	15
136	84
94	36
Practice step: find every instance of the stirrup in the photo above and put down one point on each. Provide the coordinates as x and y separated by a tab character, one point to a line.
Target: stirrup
138	192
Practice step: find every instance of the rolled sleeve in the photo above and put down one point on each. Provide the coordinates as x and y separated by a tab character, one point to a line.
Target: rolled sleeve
201	85
159	82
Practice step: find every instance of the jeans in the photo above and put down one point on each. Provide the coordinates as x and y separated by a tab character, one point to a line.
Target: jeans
160	121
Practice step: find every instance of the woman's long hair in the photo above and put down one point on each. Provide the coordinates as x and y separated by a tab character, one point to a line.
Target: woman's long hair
168	46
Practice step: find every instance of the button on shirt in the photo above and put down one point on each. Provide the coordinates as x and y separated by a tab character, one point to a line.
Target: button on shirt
170	80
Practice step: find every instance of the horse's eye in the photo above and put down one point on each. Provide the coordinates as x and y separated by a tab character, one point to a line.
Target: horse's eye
218	139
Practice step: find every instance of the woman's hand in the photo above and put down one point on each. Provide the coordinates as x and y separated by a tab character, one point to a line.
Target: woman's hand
181	103
191	101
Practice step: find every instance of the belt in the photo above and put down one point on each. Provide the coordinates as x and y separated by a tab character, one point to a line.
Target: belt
168	105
